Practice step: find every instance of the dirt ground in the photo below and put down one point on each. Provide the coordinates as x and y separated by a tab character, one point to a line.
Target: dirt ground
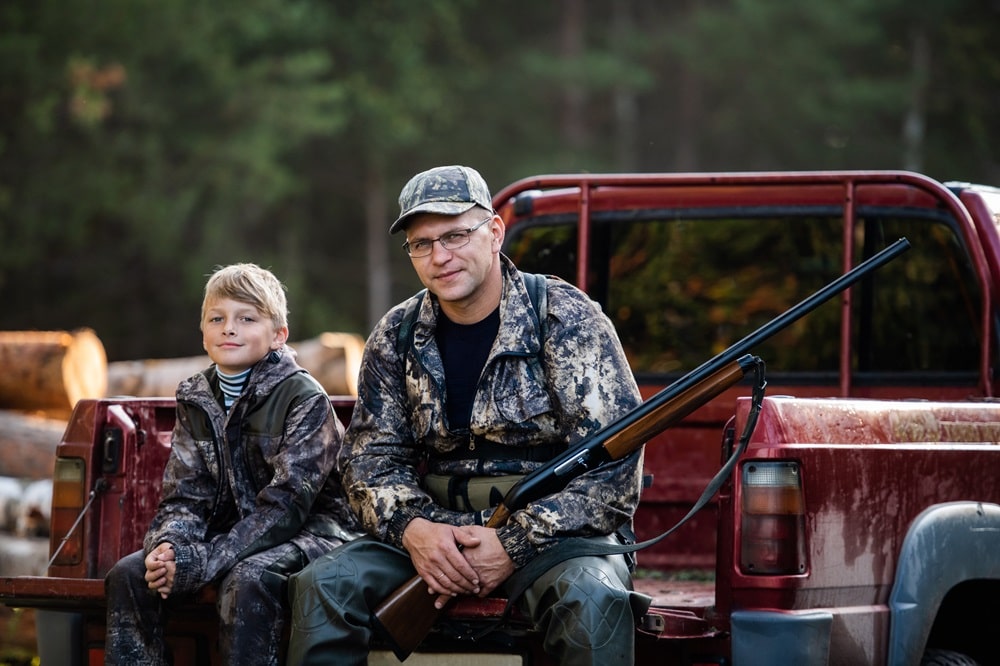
20	556
17	637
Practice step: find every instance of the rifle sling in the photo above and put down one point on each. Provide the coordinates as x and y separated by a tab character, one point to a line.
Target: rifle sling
582	546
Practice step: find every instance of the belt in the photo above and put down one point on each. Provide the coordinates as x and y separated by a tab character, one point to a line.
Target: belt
481	448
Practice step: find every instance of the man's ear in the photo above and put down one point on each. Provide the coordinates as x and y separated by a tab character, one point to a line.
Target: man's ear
499	229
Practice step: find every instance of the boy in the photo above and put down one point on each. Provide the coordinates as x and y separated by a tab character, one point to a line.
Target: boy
250	491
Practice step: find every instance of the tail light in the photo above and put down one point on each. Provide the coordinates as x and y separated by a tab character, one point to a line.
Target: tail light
68	497
772	537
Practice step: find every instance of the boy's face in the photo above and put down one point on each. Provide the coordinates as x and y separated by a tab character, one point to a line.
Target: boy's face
236	335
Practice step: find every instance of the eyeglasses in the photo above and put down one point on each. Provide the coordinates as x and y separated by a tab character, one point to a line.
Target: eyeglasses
452	240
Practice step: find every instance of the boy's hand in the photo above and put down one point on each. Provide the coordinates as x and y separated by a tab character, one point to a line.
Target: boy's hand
160	569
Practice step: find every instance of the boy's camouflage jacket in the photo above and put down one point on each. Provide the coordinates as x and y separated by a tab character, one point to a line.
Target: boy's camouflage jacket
240	482
580	382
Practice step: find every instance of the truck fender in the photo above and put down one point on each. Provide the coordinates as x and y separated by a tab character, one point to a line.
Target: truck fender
946	544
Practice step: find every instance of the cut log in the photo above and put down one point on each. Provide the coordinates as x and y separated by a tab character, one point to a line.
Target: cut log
334	359
50	370
155	377
28	444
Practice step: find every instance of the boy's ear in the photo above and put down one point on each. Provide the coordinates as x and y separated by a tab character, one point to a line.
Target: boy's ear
280	337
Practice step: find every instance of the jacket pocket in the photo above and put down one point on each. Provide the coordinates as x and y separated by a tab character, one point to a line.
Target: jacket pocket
518	392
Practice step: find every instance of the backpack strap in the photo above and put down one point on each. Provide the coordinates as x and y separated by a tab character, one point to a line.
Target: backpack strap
404	335
539	295
537	292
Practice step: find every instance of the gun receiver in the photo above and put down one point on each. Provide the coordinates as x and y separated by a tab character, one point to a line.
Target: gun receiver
406	616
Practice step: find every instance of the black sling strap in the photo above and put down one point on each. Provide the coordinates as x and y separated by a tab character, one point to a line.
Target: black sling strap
580	546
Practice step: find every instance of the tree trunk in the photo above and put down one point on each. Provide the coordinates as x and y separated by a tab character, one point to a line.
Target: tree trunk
377	245
332	358
626	102
28	444
915	121
50	370
574	95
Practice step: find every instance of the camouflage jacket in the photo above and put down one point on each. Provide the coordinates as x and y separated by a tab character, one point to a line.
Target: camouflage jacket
579	382
240	482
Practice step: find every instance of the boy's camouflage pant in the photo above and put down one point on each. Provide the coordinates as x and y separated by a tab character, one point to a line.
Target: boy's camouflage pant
251	607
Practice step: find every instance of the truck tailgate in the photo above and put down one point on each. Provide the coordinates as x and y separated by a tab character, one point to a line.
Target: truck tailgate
78	593
45	592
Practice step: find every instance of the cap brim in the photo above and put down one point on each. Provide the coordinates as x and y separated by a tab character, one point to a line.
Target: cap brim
438	207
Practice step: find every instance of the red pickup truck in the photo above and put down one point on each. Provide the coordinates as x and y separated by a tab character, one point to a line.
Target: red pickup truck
861	524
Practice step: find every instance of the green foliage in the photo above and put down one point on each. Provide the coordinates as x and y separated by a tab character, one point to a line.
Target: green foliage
152	147
787	83
143	143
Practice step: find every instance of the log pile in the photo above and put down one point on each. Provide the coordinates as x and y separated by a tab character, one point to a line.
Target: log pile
44	374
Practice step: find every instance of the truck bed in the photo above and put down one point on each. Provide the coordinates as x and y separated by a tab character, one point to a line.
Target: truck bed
695	597
678	612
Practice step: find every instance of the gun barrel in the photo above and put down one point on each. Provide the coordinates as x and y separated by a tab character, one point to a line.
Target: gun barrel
591	451
809	304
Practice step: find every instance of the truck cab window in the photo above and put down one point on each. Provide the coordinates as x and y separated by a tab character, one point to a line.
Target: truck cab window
924	311
680	289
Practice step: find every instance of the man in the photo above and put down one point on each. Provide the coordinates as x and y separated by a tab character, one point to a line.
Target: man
477	383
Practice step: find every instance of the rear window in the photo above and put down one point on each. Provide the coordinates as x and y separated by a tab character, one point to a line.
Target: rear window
681	289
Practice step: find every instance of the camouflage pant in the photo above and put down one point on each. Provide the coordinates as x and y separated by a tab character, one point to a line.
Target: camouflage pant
583	607
250	605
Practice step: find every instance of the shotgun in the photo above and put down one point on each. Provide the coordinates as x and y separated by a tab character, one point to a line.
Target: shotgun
406	616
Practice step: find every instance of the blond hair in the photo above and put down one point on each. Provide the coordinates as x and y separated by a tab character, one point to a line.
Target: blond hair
251	284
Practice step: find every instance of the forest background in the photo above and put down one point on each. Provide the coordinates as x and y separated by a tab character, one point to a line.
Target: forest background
143	143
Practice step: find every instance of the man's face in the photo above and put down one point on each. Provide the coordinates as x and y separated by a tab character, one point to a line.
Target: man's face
457	275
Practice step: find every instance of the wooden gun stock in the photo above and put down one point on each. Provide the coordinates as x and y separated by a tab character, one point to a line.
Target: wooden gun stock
405	617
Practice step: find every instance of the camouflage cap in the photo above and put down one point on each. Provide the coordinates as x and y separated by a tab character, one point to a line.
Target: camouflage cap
447	190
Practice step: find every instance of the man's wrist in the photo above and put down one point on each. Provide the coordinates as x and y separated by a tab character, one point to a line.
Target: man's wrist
400	520
514	540
412	525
